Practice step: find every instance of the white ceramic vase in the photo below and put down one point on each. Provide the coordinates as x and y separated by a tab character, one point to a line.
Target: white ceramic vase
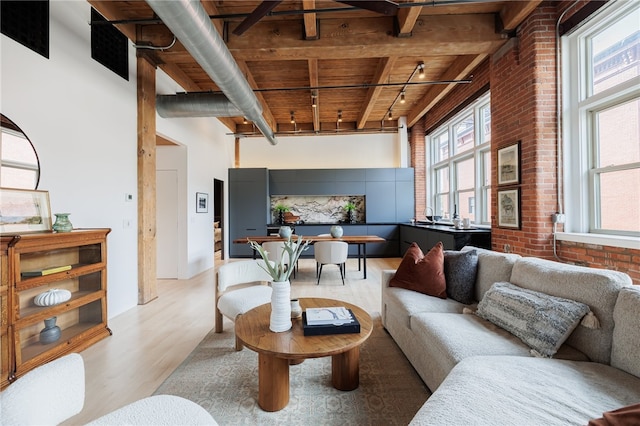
280	319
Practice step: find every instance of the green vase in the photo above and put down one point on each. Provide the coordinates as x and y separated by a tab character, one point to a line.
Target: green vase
62	223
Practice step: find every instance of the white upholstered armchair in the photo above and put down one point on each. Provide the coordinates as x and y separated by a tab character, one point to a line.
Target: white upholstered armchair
240	287
54	392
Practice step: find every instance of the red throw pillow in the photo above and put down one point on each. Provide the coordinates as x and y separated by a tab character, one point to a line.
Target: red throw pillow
424	274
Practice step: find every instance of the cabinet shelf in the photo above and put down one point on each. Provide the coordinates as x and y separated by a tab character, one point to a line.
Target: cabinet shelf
82	319
68	337
33	314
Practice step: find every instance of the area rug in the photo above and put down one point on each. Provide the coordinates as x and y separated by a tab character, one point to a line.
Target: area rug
225	383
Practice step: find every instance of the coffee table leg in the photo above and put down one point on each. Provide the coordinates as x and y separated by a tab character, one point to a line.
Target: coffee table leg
345	370
273	382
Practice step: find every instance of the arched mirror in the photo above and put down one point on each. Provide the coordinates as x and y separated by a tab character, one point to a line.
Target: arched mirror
19	164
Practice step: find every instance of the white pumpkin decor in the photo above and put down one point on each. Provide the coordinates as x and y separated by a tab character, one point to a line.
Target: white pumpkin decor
52	297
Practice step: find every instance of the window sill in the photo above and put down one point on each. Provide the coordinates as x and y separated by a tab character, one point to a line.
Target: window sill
600	239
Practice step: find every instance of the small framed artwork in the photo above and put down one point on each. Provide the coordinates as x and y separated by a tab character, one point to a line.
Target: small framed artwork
202	202
509	208
23	211
509	165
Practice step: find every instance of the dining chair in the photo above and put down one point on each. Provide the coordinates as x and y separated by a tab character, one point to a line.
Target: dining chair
331	253
275	253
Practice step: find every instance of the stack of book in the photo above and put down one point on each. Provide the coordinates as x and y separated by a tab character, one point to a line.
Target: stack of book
330	320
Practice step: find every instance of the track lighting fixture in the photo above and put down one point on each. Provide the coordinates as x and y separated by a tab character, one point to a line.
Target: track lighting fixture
293	118
313	100
390	116
339	116
244	120
402	97
421	70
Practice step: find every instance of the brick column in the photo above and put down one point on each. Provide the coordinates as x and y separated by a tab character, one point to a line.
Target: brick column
418	160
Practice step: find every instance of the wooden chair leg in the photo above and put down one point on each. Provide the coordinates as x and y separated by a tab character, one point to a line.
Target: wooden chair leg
238	346
218	320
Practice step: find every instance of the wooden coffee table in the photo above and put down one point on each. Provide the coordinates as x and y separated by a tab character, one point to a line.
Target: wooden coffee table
277	350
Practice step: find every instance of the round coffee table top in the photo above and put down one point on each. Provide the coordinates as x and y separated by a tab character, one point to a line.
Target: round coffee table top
252	328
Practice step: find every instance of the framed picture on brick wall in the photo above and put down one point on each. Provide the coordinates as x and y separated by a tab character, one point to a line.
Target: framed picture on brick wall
509	208
509	164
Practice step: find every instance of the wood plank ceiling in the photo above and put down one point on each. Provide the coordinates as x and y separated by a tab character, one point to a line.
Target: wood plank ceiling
353	62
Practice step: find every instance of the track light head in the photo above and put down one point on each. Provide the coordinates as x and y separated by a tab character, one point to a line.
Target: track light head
339	116
421	70
402	100
244	120
314	104
390	116
293	118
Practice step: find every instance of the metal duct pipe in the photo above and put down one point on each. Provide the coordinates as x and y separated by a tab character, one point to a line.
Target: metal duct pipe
196	105
190	23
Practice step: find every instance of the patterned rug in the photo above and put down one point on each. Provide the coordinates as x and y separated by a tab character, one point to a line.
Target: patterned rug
225	383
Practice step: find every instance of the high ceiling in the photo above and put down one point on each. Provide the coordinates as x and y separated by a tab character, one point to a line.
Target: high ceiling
354	60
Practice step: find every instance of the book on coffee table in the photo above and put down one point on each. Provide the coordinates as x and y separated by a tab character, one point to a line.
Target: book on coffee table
335	315
336	327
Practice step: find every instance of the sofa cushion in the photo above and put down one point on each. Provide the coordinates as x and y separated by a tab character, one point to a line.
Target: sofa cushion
626	334
528	391
597	288
406	303
460	269
422	273
493	267
542	321
450	338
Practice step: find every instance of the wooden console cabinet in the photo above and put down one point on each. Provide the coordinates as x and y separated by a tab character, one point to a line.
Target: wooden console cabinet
82	319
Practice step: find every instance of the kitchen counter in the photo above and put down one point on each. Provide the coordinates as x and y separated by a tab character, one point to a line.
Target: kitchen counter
427	235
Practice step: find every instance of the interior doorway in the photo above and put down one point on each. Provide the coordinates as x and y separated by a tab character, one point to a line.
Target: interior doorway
218	217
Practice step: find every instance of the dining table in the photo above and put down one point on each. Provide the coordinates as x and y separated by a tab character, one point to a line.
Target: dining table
360	240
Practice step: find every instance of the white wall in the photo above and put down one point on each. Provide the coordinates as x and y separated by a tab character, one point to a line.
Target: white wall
81	118
318	152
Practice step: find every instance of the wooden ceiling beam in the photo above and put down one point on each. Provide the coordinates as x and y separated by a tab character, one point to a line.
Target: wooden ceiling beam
313	82
266	112
111	11
459	69
309	19
212	10
406	20
173	71
514	12
383	71
370	37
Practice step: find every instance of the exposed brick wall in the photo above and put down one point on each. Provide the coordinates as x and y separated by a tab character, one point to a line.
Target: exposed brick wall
523	108
616	258
416	140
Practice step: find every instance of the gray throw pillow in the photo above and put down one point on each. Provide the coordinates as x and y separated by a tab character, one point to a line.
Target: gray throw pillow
541	321
460	269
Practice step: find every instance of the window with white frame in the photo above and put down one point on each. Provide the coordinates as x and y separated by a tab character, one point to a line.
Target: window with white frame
601	122
459	165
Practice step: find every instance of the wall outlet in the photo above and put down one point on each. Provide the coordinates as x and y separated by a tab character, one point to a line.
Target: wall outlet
128	197
557	218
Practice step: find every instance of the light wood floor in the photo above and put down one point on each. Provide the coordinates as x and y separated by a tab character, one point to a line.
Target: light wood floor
150	341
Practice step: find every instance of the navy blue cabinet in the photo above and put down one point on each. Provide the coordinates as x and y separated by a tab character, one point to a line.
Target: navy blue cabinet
248	207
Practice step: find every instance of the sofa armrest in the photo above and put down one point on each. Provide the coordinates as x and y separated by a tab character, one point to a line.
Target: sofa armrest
386	275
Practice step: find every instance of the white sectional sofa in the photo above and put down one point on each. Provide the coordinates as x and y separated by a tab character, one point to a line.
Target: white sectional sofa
480	373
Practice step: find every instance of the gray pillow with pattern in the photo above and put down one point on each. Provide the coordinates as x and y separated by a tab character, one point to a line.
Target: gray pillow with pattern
541	321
